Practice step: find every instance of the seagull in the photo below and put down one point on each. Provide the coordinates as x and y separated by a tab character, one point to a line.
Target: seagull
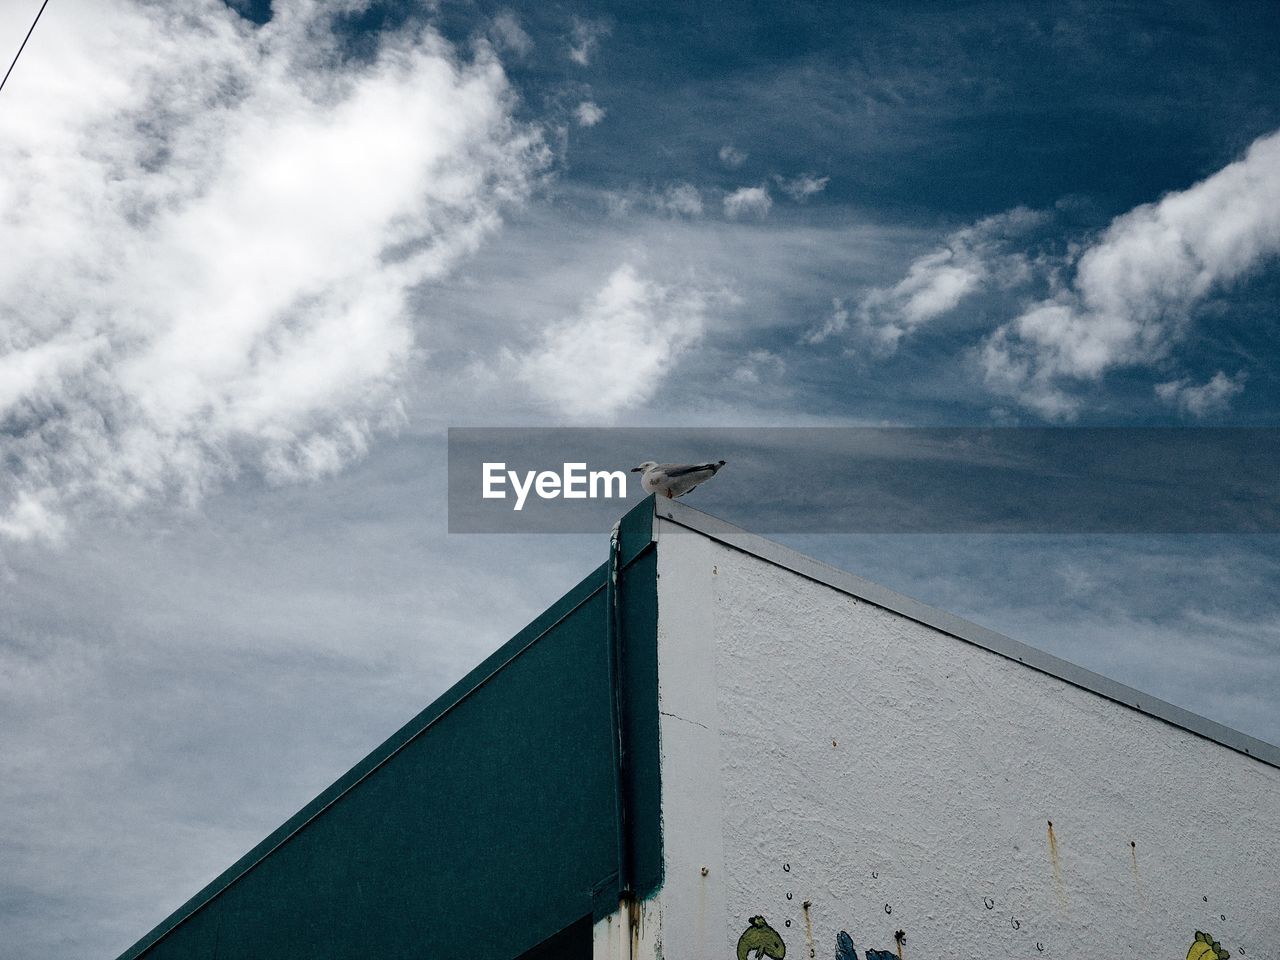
674	479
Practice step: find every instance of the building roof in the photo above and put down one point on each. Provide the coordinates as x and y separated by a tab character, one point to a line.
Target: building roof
782	556
505	788
541	754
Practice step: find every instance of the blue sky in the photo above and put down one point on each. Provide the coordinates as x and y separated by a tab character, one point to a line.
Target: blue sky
258	258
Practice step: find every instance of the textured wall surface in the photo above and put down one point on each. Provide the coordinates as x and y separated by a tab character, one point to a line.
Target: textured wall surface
859	782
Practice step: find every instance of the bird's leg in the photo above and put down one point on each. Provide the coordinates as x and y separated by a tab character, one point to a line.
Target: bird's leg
669	494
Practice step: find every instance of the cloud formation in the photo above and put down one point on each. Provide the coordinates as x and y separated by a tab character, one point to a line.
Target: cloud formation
835	324
211	230
584	38
803	187
678	200
617	350
588	113
757	366
970	260
1134	289
732	157
748	201
1212	396
1123	299
508	34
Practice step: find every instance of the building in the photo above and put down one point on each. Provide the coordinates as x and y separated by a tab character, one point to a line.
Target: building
714	747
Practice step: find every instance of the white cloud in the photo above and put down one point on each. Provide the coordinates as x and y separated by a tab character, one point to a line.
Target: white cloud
508	34
936	283
835	324
732	157
748	200
29	518
758	365
677	199
682	199
616	352
1212	396
211	230
588	113
584	38
803	187
1134	289
1010	372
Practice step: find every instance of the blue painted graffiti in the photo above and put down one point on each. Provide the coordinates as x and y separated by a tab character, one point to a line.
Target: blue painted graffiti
845	950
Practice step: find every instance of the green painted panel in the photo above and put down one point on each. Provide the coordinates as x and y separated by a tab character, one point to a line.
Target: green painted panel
639	600
482	828
571	943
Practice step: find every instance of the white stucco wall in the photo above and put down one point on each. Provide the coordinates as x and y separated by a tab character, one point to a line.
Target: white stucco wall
819	749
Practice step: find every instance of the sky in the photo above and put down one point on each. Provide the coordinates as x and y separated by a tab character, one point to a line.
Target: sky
258	257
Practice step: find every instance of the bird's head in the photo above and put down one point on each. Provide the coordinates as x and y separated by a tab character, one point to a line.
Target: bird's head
644	466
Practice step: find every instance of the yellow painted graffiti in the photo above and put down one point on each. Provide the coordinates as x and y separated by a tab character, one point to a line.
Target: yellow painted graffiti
1204	947
762	940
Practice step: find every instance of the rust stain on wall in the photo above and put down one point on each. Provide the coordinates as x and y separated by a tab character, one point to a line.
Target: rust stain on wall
634	921
808	928
700	928
1137	877
1056	860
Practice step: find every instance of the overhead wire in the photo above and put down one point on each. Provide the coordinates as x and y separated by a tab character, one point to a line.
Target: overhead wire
24	44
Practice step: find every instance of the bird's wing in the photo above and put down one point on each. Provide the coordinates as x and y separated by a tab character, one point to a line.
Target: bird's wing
682	470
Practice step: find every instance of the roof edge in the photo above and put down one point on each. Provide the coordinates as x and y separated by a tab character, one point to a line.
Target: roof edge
775	553
638	528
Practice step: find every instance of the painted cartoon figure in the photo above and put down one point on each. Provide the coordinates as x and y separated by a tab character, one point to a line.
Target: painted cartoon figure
761	938
845	950
1204	947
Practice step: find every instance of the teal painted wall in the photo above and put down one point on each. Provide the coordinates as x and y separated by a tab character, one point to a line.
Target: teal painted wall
639	604
484	826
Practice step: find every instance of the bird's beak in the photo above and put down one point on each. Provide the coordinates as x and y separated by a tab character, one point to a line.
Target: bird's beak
636	470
